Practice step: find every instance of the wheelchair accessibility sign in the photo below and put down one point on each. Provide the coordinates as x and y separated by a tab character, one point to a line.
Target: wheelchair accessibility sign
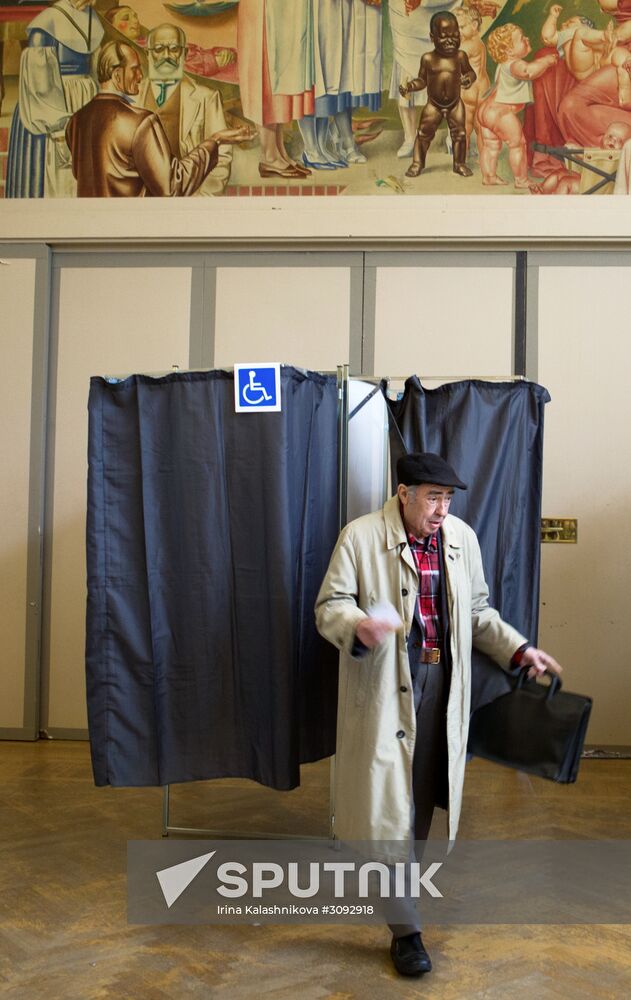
257	388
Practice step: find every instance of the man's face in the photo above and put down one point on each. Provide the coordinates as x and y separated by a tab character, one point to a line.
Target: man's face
127	78
166	54
446	36
425	507
126	21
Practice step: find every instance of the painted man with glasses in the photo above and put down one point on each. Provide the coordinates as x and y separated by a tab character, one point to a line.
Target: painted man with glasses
190	112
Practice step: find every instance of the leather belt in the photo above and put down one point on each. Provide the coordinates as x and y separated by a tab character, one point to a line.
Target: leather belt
430	656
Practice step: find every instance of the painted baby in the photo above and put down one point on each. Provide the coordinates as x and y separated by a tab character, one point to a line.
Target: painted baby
444	72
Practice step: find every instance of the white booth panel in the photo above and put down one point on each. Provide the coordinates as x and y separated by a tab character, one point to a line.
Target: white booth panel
111	322
296	315
368	482
584	361
17	292
448	320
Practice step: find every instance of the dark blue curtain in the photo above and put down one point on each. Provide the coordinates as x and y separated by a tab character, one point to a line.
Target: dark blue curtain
492	434
208	535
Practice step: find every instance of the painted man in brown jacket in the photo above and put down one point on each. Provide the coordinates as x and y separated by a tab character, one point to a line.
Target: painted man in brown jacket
119	150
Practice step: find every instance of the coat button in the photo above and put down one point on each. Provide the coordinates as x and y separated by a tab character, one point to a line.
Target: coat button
401	734
404	592
403	688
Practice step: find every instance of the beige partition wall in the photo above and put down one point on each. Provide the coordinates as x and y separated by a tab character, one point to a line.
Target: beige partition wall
19	608
441	313
111	321
299	309
585	360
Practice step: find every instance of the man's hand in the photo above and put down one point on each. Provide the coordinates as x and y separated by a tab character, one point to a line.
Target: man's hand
411	5
539	662
372	631
555	10
234	135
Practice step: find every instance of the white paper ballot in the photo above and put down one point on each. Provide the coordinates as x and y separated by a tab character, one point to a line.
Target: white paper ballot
386	612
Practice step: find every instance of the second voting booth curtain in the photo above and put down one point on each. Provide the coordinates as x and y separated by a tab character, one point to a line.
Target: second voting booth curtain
208	535
492	434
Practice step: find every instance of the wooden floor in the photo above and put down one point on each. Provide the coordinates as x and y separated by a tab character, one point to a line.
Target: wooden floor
64	936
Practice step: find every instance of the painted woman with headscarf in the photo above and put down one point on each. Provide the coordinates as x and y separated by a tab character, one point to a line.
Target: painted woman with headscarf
56	79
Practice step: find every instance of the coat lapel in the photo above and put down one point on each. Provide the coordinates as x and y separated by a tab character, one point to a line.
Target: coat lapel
395	532
452	561
189	104
451	546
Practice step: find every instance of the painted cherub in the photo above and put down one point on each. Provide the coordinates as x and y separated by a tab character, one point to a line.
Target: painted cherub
497	114
578	40
443	72
469	22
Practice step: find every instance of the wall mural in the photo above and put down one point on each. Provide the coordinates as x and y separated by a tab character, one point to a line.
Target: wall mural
314	97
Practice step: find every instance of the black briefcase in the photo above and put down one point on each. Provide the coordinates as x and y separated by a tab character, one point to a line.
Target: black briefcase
536	728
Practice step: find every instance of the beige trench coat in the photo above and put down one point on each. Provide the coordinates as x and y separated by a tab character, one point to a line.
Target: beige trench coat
372	562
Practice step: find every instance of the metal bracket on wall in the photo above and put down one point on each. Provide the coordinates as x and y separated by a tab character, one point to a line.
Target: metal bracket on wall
559	529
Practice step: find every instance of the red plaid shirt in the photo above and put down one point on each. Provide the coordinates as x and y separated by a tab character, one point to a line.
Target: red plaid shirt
426	557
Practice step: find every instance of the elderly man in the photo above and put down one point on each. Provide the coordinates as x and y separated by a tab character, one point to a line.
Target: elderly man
189	112
122	151
404	599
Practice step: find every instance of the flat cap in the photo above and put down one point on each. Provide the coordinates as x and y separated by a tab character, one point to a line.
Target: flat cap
425	467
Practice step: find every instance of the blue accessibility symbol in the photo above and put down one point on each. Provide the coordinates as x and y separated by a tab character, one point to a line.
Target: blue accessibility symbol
257	388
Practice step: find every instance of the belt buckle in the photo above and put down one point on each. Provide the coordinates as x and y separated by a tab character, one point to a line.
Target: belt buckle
433	655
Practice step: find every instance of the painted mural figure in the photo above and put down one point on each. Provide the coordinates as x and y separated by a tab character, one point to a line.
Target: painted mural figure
409	25
56	79
498	114
276	76
469	22
189	112
594	103
444	71
126	21
347	59
119	150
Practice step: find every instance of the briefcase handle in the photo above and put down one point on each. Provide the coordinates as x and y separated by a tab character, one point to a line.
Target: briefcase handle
554	686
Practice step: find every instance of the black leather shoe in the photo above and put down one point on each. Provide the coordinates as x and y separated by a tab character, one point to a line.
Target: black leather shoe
409	955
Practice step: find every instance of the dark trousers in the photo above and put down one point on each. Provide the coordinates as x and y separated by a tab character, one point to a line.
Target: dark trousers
429	776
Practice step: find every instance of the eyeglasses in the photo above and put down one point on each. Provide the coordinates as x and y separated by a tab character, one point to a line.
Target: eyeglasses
173	50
